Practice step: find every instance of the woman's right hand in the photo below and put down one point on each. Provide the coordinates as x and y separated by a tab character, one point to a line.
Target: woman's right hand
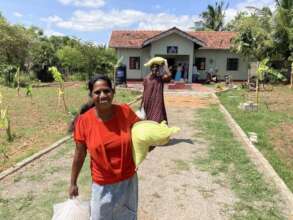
73	191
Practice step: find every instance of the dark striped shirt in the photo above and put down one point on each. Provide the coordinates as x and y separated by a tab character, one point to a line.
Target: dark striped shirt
153	98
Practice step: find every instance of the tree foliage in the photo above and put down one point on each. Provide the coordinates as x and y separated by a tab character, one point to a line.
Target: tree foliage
283	29
33	52
254	38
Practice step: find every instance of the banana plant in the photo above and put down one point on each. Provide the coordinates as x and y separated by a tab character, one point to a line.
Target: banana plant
263	69
1	99
61	90
3	152
29	90
4	120
5	124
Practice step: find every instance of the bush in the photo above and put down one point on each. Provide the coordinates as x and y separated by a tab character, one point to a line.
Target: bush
25	79
7	74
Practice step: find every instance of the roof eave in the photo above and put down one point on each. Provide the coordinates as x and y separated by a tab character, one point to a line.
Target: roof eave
171	31
125	47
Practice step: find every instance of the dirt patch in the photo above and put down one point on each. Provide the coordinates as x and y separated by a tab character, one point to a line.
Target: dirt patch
188	101
171	186
279	100
282	139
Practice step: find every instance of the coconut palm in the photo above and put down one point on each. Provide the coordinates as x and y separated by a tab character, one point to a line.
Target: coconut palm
213	17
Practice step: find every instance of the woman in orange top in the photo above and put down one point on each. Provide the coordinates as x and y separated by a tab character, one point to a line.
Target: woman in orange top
104	131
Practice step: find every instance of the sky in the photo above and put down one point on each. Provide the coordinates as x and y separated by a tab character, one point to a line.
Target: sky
93	20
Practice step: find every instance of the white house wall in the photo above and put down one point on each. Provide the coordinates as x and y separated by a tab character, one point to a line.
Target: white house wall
185	47
144	55
219	58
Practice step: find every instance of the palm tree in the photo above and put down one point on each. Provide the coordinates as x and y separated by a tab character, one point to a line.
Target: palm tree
213	17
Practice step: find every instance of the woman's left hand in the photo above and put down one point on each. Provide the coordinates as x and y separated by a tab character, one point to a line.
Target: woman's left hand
73	191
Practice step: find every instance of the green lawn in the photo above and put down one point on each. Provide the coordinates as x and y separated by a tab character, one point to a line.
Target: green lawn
227	156
275	114
32	193
39	122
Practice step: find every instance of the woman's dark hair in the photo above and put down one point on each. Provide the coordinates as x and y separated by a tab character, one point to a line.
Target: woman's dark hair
96	78
85	107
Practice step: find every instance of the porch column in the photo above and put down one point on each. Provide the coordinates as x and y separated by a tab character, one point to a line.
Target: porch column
190	67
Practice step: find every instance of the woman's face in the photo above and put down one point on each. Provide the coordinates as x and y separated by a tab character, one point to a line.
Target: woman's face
102	95
155	69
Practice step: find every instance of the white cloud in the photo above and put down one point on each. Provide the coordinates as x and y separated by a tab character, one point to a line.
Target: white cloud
231	12
50	32
52	19
163	21
99	20
84	3
17	14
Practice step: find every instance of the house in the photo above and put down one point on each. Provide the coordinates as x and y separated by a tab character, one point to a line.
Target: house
205	49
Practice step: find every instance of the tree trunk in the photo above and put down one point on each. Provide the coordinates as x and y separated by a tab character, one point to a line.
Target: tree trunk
114	77
291	78
18	81
248	77
8	132
257	87
257	91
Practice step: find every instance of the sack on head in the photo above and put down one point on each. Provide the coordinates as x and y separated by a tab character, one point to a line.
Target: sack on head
155	60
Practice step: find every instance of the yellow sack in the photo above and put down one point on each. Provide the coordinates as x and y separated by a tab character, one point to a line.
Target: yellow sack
149	133
155	60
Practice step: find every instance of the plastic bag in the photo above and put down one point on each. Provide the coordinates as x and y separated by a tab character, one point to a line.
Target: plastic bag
149	133
72	209
155	60
141	113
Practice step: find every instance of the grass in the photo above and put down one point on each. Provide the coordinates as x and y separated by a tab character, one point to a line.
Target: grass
39	122
277	110
227	156
37	202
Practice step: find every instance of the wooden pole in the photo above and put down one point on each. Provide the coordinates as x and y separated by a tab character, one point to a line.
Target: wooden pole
18	80
291	78
257	91
257	86
248	75
114	77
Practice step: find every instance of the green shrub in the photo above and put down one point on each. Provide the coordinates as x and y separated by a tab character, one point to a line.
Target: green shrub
7	72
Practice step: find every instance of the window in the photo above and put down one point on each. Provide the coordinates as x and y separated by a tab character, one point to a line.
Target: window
232	64
172	49
134	63
200	63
